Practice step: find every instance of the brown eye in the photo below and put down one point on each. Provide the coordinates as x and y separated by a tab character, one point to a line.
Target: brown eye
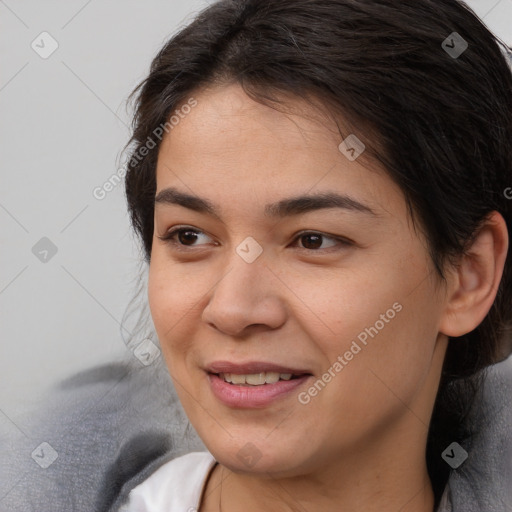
183	237
186	236
311	241
314	241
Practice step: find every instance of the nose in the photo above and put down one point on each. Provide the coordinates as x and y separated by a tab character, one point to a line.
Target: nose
247	298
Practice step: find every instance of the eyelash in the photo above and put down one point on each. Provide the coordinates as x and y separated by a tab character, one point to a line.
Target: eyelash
169	238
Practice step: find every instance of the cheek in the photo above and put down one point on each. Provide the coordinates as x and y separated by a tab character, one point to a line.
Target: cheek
174	291
340	305
386	347
173	301
383	323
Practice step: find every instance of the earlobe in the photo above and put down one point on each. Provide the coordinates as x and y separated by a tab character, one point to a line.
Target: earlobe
475	282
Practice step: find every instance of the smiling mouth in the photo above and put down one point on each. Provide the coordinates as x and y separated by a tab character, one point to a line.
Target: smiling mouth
257	379
255	390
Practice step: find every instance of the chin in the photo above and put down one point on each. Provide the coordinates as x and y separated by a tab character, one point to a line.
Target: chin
246	456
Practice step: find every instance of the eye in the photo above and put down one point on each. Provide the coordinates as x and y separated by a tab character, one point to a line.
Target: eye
313	241
183	237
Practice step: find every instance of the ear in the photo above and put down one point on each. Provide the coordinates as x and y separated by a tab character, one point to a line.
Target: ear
473	285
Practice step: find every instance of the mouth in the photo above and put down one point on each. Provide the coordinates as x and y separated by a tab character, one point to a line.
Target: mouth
254	385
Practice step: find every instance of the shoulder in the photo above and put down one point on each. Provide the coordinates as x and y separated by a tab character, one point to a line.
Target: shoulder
175	485
482	482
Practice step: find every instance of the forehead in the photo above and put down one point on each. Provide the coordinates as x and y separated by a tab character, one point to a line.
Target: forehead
231	146
228	115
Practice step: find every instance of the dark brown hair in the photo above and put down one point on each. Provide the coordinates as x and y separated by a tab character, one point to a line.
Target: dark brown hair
440	124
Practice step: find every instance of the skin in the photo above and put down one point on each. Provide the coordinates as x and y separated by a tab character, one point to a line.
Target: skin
359	444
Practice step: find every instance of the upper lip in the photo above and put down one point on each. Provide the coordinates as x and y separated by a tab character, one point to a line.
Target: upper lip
252	367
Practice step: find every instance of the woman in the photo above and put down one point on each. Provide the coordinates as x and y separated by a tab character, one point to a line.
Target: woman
320	188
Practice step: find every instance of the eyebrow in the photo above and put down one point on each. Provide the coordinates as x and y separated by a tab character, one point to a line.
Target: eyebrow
283	208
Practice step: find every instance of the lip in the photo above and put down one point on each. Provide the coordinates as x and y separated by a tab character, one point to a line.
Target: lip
250	397
252	367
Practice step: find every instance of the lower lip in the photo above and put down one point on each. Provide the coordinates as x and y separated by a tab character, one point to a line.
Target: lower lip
253	396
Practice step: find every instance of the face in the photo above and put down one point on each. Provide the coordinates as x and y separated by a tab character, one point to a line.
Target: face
341	292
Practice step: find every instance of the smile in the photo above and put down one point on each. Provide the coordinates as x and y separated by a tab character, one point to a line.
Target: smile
254	390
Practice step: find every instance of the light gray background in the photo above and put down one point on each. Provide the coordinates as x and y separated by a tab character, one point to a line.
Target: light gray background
63	123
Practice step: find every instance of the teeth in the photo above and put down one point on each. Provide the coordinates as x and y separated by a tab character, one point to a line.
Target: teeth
255	379
238	379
